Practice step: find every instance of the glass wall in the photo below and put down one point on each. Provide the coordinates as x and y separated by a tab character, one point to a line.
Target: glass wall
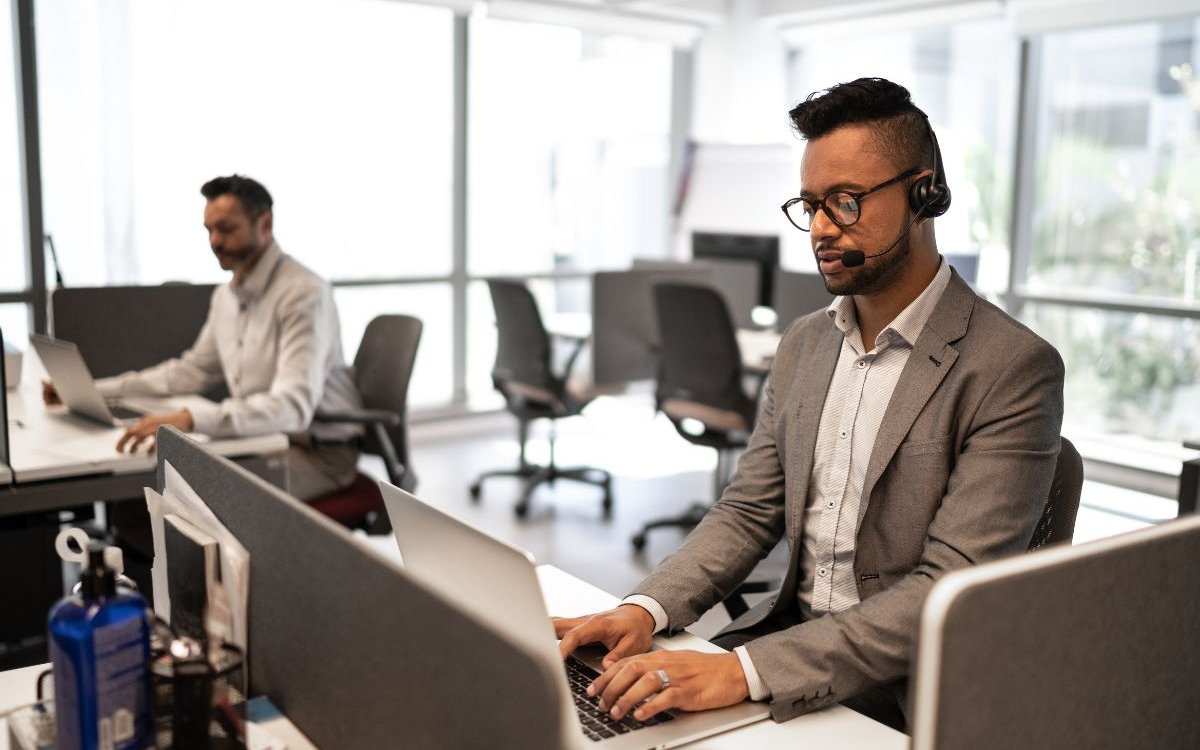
1117	192
965	78
12	221
1116	220
343	112
568	148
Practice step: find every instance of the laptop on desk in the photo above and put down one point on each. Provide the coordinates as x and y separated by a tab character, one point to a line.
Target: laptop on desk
497	584
77	389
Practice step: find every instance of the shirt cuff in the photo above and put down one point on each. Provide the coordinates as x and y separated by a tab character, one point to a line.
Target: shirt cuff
758	688
205	417
654	608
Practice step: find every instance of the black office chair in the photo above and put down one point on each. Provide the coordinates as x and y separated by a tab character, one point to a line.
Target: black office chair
383	369
1055	526
532	390
700	384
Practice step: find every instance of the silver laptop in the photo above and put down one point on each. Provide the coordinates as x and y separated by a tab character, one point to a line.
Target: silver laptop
75	386
497	584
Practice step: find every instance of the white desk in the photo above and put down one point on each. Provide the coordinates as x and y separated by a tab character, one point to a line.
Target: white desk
567	595
50	443
836	726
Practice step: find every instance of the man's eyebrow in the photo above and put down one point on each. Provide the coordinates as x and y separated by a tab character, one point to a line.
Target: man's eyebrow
840	187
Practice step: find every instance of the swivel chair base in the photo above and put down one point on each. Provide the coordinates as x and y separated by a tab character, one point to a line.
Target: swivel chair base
535	475
689	519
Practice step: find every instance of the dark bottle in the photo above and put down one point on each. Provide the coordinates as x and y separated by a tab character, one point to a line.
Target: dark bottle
100	650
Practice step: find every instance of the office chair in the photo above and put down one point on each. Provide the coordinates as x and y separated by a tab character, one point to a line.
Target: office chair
1055	526
531	390
383	368
700	384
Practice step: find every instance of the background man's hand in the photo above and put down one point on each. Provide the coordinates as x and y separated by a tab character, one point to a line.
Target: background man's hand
697	681
146	427
49	395
624	631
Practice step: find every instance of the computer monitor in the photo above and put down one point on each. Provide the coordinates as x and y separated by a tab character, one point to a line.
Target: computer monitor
1090	646
759	248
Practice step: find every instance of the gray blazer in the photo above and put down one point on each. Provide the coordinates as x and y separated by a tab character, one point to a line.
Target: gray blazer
959	474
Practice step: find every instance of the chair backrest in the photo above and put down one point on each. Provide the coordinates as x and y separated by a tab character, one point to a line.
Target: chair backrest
383	368
523	345
699	359
1057	523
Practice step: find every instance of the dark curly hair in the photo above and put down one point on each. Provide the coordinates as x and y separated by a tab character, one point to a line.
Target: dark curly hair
254	197
900	127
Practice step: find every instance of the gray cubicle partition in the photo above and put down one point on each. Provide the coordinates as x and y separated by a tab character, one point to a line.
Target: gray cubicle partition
1095	646
119	328
624	325
352	650
798	294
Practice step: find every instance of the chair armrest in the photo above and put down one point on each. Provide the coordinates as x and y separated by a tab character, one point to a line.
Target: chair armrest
359	416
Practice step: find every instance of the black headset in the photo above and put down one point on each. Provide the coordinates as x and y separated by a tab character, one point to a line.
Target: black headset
930	196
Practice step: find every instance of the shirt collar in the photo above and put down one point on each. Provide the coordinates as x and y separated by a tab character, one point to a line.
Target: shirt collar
911	320
255	283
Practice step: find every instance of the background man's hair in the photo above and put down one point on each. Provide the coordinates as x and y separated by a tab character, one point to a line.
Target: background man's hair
254	197
900	127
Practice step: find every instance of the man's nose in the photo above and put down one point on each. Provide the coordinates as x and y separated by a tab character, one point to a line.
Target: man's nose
823	228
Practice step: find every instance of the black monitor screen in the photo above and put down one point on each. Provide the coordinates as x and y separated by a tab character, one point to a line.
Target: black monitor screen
760	248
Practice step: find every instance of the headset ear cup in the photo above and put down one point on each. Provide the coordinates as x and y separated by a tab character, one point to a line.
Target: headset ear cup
939	201
918	195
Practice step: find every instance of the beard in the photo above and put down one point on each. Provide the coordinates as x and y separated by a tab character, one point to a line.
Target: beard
870	277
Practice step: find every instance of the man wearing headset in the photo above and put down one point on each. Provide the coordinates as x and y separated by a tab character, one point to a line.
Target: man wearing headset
908	430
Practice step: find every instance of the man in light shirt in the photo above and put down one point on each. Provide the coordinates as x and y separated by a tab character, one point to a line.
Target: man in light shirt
909	430
272	336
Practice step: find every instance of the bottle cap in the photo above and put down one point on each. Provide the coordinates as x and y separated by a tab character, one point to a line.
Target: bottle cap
97	580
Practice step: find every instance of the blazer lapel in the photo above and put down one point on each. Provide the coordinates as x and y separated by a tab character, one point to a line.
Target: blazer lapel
931	358
811	385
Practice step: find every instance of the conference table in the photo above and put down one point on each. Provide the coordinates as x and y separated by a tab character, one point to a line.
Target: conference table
566	595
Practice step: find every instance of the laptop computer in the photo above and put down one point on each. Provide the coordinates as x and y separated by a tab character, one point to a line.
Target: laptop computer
75	386
496	583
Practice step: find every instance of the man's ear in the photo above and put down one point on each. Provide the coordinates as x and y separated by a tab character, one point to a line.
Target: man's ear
265	219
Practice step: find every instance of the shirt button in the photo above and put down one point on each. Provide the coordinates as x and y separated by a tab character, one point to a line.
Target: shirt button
822	572
842	434
861	364
831	504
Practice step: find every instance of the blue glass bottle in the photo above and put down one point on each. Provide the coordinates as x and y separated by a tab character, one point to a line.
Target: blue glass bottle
100	649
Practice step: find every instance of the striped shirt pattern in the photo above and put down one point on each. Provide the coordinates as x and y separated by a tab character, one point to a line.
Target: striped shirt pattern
858	396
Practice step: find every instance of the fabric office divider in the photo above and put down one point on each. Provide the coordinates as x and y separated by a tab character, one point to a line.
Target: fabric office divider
121	328
1092	646
624	324
797	294
355	653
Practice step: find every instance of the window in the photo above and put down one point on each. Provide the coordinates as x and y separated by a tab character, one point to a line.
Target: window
1117	192
568	148
965	78
12	221
1116	225
14	324
342	108
432	383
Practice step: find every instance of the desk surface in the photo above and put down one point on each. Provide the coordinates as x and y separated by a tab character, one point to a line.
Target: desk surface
566	595
50	443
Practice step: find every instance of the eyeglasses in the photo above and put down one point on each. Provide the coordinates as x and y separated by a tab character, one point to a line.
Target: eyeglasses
842	207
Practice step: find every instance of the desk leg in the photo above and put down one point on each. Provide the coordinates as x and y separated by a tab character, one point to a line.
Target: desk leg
1189	486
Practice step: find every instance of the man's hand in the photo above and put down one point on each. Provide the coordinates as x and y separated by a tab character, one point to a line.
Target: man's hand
696	681
624	631
49	395
147	426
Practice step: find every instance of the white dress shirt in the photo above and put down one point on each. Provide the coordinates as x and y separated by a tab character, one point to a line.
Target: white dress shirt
274	339
858	397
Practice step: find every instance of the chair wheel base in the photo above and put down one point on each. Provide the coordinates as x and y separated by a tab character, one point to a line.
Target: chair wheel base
639	542
476	490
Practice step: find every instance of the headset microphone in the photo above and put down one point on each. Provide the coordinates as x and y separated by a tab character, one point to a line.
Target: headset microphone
855	258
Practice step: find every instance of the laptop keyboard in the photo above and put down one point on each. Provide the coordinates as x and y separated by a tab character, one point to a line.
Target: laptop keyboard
596	724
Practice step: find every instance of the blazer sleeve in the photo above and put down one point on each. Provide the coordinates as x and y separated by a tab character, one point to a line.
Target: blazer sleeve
1001	476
